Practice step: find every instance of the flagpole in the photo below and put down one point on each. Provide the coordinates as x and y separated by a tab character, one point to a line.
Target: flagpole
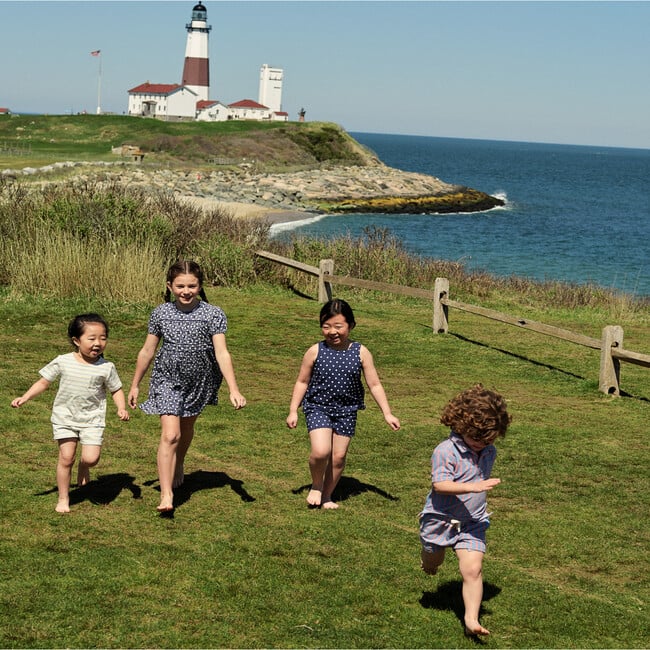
99	85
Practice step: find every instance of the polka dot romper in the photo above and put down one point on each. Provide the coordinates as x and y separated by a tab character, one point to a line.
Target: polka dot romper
335	385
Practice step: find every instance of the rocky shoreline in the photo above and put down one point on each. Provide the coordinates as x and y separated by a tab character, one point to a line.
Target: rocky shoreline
333	190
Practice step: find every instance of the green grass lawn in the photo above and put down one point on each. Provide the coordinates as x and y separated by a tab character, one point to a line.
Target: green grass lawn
244	562
39	140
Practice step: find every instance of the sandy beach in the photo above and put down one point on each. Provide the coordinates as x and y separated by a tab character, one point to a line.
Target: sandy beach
248	211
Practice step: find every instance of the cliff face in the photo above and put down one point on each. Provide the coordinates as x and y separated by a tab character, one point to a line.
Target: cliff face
343	176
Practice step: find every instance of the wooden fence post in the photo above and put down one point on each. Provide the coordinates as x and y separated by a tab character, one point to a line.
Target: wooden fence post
325	268
610	367
440	311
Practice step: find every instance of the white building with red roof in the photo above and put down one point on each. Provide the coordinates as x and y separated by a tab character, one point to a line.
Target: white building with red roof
164	101
212	111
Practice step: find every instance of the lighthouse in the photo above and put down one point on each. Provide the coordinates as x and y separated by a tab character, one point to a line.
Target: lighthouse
196	71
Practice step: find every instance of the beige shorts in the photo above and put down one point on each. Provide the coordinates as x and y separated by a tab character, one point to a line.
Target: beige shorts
85	435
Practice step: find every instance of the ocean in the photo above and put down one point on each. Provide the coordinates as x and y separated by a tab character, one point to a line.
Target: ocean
573	213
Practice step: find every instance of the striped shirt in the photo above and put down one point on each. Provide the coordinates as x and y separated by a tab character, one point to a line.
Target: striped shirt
81	398
453	460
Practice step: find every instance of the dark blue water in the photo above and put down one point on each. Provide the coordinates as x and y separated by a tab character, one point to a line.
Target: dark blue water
573	213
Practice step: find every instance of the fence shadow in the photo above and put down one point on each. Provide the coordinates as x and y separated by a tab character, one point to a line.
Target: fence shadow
202	480
102	490
521	357
350	487
449	597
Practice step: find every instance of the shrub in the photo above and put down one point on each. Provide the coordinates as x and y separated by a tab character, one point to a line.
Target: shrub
115	242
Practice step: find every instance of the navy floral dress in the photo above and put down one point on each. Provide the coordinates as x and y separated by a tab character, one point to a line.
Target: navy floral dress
186	376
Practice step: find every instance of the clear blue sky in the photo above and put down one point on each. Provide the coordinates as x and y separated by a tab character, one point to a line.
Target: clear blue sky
562	72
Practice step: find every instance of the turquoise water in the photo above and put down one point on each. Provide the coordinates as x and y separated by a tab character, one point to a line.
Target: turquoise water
573	213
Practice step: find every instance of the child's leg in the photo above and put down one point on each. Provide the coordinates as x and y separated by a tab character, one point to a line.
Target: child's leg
431	561
170	436
89	458
67	452
319	459
470	564
187	435
340	445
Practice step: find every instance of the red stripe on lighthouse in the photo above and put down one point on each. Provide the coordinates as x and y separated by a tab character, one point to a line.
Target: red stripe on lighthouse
196	72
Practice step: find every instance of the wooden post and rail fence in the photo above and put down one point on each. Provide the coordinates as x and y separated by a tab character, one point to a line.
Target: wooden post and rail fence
610	344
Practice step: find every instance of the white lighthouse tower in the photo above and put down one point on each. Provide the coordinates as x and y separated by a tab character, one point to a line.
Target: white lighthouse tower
270	94
196	71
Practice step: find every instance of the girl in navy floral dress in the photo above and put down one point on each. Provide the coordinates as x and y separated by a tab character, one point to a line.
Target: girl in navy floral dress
330	391
187	372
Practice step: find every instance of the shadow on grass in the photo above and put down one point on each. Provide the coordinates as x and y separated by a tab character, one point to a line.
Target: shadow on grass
449	597
350	487
539	363
202	480
103	490
521	357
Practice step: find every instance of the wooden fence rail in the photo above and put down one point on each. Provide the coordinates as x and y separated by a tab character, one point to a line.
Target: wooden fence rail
610	344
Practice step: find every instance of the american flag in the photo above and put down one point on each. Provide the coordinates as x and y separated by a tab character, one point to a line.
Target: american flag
95	53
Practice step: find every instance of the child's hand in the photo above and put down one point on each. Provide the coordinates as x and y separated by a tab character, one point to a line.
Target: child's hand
133	397
393	422
237	400
292	420
19	401
488	484
123	414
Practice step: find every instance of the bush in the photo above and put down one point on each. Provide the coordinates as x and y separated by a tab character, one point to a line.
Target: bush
115	242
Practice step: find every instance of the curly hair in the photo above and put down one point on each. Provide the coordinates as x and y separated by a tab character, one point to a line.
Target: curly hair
478	413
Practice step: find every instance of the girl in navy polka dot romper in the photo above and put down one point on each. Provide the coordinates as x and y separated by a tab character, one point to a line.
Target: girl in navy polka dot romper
330	391
187	371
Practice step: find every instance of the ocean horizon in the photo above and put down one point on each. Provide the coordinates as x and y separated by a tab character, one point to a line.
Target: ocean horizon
573	213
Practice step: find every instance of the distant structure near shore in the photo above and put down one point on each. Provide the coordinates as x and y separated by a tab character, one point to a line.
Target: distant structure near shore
189	100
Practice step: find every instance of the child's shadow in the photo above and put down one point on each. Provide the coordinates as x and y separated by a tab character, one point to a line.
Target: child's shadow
449	597
350	487
202	480
103	490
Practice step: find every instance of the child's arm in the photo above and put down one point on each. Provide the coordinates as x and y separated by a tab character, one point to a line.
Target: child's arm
120	402
457	487
301	385
376	389
36	388
227	370
145	356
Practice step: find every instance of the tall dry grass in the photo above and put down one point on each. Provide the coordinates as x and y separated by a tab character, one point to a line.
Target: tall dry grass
115	242
378	255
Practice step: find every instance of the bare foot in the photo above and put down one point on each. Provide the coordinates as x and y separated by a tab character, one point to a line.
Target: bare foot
474	628
166	505
179	476
329	505
83	475
314	497
63	506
